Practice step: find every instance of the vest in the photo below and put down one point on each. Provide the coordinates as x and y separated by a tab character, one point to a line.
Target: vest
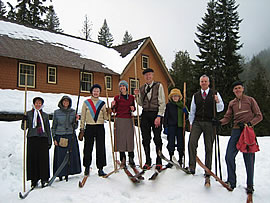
204	107
152	104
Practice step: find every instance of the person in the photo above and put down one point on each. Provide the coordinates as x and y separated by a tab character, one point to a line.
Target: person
152	99
63	131
93	115
39	141
173	124
242	109
123	105
200	119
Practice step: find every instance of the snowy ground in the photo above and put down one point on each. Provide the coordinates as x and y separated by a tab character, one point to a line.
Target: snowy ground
170	186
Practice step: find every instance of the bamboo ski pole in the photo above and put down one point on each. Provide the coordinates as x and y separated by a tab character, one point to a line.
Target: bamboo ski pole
184	123
24	130
110	127
138	116
135	134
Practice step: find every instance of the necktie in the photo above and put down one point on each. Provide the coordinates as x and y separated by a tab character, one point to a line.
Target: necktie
148	89
204	95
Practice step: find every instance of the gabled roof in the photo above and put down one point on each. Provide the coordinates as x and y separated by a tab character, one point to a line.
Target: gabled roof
138	46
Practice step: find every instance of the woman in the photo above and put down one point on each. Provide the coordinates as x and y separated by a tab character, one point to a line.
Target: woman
63	127
123	105
39	142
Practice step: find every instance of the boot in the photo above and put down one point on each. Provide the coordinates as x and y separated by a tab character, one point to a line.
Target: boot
86	171
180	161
169	165
249	189
131	159
101	172
147	155
60	178
34	183
66	178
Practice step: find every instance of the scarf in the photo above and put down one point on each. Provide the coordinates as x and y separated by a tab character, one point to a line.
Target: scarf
180	107
38	120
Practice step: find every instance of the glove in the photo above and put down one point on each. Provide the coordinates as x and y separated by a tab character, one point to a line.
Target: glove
108	110
81	134
216	122
49	146
185	110
241	125
25	118
165	131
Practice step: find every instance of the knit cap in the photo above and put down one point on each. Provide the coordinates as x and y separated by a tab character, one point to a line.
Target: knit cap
123	82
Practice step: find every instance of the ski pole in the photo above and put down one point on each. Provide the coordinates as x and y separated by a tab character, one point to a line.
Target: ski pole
24	130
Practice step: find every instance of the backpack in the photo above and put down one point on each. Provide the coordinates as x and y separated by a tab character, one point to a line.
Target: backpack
247	142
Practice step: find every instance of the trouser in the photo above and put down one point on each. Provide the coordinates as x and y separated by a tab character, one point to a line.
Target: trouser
199	127
123	155
175	132
93	132
147	123
231	152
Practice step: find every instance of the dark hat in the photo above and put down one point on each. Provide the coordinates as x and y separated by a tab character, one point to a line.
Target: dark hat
95	86
38	98
237	83
147	70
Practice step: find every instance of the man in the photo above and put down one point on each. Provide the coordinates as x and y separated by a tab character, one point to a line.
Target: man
244	110
200	118
152	100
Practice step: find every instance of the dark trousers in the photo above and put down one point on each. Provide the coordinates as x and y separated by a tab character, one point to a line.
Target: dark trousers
199	127
231	152
175	132
93	132
147	124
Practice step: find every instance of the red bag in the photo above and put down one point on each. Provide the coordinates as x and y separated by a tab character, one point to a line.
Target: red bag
247	142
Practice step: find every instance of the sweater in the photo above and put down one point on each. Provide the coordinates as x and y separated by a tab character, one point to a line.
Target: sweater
122	106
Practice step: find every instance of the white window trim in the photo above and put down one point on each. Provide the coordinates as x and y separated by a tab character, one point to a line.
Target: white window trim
108	76
91	75
133	80
28	64
52	67
143	56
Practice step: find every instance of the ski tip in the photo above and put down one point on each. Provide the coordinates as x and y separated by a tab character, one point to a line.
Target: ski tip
80	184
21	195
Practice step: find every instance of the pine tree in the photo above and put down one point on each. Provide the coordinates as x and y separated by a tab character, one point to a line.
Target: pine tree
87	27
259	89
218	45
23	13
52	21
127	38
11	13
104	36
2	9
183	71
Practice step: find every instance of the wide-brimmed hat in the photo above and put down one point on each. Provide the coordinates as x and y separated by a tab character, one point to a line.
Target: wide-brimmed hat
175	91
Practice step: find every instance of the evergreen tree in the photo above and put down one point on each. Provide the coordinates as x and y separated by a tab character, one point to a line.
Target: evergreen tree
104	36
218	43
259	89
11	13
23	13
87	27
2	9
52	21
183	71
127	38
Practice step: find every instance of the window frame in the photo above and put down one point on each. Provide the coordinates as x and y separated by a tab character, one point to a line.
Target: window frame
48	75
130	85
19	74
81	80
147	63
106	85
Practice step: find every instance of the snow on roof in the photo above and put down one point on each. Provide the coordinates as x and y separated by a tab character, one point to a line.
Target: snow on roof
86	49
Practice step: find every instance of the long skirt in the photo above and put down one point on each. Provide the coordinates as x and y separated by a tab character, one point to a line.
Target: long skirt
124	136
37	159
74	164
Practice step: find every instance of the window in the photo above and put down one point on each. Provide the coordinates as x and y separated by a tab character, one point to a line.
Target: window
28	70
145	62
108	80
132	85
86	80
52	75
